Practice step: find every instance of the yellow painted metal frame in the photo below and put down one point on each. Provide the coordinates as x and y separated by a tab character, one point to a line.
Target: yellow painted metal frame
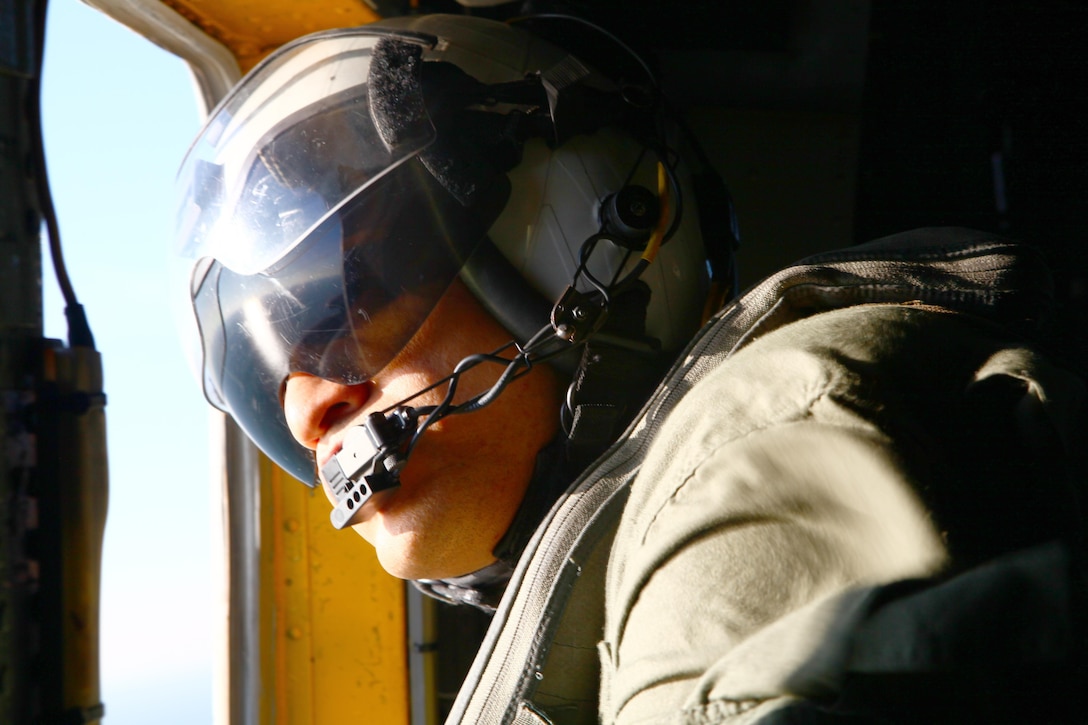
333	628
251	29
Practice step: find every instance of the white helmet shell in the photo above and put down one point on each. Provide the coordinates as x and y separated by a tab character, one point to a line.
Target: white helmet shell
557	193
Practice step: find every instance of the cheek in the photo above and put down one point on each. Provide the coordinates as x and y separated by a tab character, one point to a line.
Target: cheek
428	373
404	387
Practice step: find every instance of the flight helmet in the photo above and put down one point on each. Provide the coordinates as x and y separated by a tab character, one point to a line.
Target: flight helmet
338	190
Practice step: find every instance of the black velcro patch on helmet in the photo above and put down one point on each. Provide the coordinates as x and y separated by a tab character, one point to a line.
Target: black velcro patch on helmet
395	92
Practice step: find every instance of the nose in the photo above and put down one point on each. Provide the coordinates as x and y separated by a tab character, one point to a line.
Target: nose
313	406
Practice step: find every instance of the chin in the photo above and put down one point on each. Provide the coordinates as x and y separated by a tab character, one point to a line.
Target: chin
399	555
403	567
405	560
395	566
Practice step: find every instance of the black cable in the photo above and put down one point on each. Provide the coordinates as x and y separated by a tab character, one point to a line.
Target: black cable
494	357
583	269
446	407
521	364
79	331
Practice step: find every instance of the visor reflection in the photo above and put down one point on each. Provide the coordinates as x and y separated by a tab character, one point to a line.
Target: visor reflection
341	306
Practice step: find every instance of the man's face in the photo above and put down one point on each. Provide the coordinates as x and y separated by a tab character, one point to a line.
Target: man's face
468	473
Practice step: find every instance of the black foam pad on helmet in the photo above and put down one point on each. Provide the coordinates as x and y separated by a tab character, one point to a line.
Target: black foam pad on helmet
395	92
405	91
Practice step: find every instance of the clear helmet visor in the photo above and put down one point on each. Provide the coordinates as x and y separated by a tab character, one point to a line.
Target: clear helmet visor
314	237
295	141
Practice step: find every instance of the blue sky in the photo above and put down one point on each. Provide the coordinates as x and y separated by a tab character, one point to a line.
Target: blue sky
118	116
